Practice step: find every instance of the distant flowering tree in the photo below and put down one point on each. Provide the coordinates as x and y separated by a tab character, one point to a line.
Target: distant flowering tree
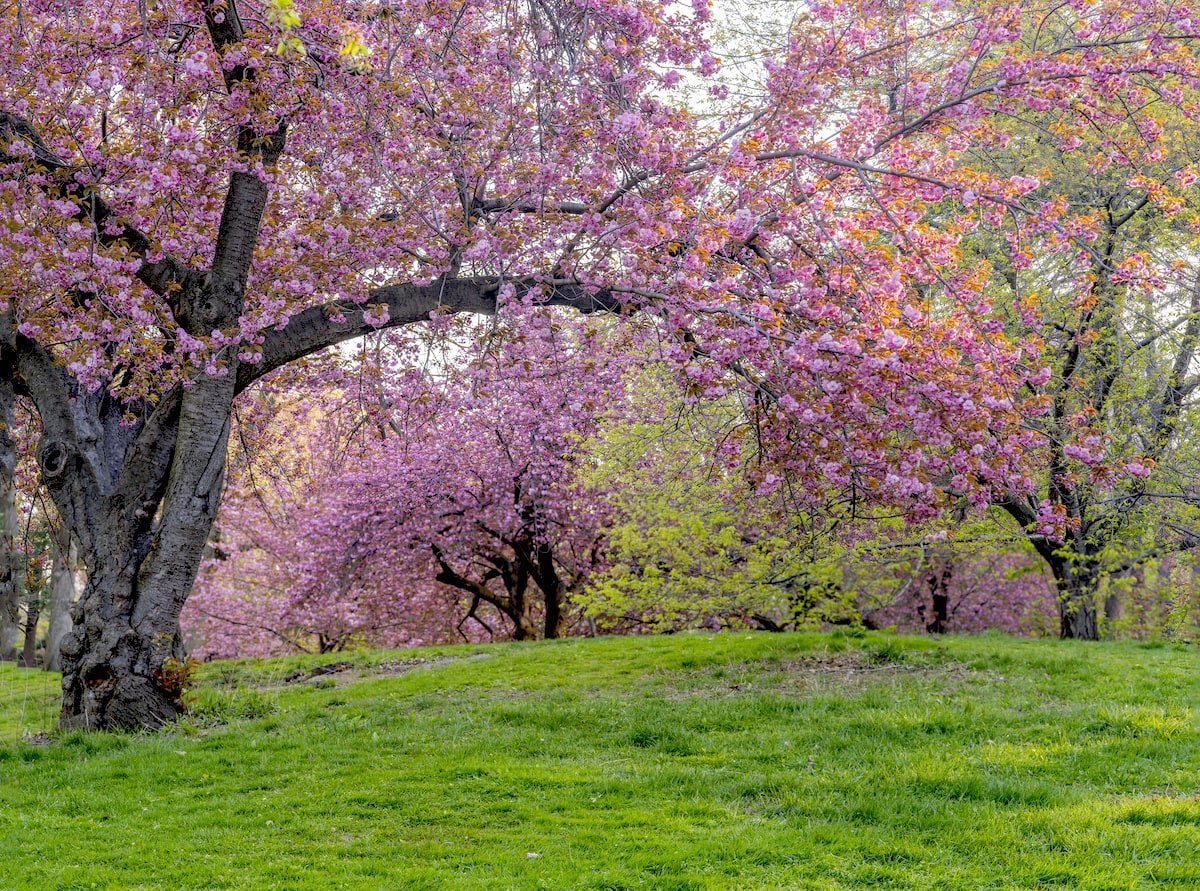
290	464
450	506
198	194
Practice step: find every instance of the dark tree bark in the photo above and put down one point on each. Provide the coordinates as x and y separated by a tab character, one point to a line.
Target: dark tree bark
552	592
511	600
528	563
1073	567
539	559
939	592
1077	585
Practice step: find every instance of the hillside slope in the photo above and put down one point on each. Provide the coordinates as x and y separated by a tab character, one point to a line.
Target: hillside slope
693	761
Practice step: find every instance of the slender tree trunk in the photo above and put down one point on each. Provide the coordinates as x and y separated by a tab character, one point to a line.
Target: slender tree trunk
939	583
553	592
33	612
64	556
525	624
553	626
1076	600
1073	570
1112	606
10	594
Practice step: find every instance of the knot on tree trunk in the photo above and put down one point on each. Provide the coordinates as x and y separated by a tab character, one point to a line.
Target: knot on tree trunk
54	458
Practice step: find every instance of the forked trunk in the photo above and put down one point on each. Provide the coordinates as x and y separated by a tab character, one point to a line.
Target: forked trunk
123	662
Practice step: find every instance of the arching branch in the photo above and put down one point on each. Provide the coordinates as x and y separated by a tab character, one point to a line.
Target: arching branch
319	327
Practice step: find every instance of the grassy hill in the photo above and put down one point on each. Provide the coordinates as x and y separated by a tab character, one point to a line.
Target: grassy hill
694	761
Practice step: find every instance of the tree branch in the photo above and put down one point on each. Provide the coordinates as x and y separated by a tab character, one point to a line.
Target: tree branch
246	200
318	327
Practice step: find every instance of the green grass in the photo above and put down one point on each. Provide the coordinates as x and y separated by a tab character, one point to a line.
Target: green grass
29	702
685	762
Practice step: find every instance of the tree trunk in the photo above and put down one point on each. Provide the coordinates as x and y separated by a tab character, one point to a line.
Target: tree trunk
553	625
64	556
10	594
1073	565
33	612
114	674
939	583
123	662
553	592
1112	607
525	624
1076	601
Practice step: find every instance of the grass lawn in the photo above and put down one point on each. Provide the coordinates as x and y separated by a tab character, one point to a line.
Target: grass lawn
693	761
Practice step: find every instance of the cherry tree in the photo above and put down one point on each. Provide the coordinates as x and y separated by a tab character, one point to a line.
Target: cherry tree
425	505
1113	308
196	194
293	443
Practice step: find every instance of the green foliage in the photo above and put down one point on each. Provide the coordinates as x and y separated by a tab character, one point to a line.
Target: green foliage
692	544
1157	599
29	701
1120	348
845	761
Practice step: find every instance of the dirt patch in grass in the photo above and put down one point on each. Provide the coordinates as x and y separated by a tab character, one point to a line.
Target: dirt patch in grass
851	671
343	672
299	676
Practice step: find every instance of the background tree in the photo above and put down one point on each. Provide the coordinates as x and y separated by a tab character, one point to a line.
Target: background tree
64	559
1113	308
698	535
10	590
11	433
